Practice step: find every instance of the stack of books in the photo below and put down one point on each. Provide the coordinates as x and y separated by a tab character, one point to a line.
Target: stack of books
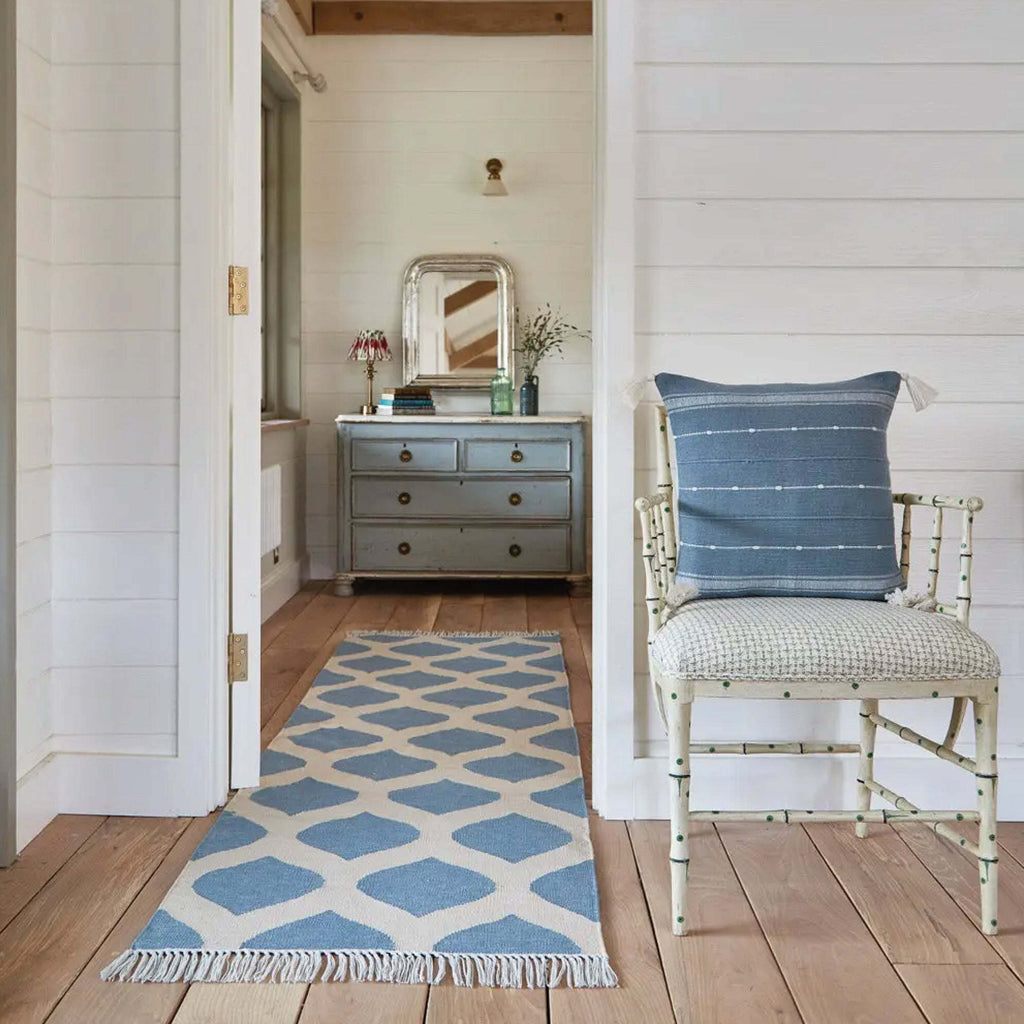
408	401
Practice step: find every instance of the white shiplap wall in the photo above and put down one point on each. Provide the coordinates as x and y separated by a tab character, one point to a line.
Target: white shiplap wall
114	375
36	793
287	449
825	189
393	166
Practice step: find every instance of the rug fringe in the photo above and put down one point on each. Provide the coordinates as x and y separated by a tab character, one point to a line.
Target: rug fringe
506	970
454	632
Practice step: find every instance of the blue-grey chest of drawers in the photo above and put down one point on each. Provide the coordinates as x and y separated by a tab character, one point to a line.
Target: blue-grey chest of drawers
484	496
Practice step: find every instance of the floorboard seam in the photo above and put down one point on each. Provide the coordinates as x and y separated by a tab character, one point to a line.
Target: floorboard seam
650	919
760	926
866	923
970	917
53	874
103	938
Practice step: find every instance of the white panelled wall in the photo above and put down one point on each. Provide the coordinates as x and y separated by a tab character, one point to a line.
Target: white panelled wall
393	168
285	448
824	189
114	375
98	386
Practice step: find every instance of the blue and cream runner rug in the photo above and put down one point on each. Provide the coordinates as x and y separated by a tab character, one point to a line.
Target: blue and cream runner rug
420	814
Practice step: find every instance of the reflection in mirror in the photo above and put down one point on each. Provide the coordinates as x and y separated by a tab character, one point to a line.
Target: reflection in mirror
457	313
459	323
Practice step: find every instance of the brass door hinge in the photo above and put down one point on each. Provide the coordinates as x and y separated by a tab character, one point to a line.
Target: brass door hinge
238	657
238	291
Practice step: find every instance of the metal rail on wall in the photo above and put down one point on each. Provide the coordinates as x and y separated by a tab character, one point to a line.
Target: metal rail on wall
271	10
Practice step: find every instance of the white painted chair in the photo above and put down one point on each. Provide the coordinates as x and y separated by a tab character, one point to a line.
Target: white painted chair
790	648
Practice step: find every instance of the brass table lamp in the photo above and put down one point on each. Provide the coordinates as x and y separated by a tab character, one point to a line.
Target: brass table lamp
369	347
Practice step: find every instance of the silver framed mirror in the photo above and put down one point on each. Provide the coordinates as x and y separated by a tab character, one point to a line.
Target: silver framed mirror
457	321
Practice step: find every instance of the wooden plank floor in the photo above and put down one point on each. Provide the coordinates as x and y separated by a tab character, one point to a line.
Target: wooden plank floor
805	924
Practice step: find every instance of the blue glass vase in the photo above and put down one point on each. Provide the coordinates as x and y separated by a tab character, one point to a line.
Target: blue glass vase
529	396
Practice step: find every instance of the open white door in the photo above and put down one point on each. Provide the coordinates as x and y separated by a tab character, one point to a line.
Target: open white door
246	41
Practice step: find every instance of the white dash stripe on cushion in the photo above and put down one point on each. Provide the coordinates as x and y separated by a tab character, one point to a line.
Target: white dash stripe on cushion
785	547
795	487
772	430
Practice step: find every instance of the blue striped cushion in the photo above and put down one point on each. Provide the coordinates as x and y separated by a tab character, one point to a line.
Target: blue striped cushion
784	488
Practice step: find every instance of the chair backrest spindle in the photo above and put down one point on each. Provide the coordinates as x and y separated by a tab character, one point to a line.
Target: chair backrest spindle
905	545
936	549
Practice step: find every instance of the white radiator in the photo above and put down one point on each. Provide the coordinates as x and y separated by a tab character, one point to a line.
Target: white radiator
270	509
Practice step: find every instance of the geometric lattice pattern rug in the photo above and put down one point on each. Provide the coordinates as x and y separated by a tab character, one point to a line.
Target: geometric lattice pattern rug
421	814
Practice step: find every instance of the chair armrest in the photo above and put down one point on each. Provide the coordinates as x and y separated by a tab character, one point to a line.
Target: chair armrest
967	507
659	560
968	504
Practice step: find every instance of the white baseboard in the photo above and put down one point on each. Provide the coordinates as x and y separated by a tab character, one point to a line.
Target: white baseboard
728	782
281	584
37	800
125	784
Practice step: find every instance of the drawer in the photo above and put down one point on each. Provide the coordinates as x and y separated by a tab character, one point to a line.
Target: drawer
436	547
427	455
518	456
382	496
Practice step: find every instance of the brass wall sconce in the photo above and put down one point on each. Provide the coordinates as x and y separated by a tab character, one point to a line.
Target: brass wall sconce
494	186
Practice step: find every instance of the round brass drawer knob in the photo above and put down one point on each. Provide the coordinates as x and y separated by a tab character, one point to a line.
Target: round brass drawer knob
515	499
404	548
404	498
405	455
515	550
516	456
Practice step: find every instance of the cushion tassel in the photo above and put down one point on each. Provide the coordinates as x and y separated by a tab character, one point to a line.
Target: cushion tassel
903	599
633	390
921	394
678	595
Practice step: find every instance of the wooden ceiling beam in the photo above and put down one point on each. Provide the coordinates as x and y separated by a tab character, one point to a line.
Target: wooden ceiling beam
469	294
453	17
304	12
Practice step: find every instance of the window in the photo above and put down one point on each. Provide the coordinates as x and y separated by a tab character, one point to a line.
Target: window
270	250
280	327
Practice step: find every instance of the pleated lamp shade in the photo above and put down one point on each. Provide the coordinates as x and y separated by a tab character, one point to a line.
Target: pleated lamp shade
370	346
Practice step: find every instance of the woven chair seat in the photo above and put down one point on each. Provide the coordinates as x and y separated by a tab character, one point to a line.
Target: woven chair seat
818	639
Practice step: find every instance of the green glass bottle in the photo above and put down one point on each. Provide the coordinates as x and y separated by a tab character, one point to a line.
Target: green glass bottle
501	394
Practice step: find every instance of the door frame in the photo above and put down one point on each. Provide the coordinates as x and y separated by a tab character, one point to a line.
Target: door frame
221	58
204	397
8	430
206	385
614	364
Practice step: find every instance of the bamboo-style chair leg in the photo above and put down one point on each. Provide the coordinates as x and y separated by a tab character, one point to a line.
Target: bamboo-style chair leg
866	767
679	778
985	728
